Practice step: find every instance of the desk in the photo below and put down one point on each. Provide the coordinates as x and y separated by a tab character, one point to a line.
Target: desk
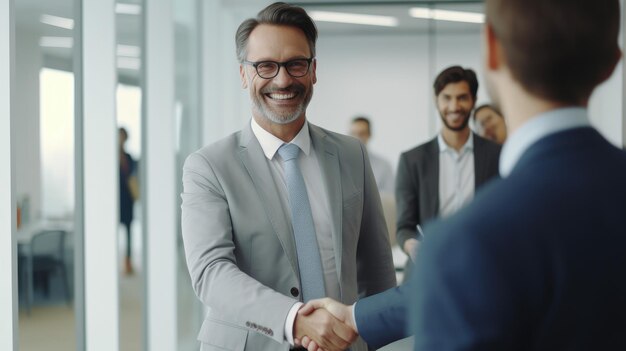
24	236
26	232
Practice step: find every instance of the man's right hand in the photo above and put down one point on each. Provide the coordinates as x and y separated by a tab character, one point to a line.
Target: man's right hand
328	332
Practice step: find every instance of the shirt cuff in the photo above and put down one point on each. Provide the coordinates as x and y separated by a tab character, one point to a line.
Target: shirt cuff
352	308
291	318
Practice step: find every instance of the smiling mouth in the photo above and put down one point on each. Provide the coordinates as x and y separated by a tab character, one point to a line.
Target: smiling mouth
282	96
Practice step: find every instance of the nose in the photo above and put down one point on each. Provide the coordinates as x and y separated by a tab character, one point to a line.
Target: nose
282	79
453	105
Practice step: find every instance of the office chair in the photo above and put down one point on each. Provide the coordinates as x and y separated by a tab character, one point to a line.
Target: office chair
47	257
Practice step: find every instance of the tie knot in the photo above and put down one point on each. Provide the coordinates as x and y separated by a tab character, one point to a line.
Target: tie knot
288	151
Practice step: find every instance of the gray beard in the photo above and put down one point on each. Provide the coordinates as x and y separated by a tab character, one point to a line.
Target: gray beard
276	118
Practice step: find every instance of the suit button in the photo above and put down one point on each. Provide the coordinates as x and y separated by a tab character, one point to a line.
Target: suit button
294	292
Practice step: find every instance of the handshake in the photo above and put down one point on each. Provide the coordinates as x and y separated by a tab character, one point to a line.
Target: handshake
325	325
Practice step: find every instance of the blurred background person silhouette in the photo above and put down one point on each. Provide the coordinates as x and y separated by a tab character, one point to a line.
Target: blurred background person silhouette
490	123
129	192
361	128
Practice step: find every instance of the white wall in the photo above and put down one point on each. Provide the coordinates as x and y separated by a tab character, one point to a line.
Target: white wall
605	107
387	78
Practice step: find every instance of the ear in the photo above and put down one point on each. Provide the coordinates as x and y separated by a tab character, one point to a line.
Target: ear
493	54
242	75
313	69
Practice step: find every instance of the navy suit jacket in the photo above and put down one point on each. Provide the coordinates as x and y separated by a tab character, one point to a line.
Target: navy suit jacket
536	262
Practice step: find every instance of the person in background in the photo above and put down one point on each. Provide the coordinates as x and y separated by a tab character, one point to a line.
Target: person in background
282	211
490	124
128	194
439	177
361	128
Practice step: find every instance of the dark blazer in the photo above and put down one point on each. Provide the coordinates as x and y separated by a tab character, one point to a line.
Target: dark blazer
537	261
382	318
417	182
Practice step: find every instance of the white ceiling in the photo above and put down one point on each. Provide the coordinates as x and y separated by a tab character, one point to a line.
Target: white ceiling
128	27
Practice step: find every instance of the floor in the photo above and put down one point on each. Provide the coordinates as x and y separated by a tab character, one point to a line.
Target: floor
50	325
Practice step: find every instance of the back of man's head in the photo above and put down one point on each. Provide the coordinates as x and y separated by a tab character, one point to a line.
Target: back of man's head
455	74
558	50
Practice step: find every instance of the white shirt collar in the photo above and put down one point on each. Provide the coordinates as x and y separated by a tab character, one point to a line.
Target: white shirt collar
443	146
270	143
537	128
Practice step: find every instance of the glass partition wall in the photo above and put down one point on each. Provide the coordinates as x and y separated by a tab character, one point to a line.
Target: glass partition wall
131	268
44	154
188	109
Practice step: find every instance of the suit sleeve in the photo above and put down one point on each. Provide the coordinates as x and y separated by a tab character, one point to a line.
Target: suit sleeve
375	270
382	318
210	250
407	203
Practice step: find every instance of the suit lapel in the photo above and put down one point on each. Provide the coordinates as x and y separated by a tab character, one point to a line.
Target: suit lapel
431	179
328	159
480	167
254	160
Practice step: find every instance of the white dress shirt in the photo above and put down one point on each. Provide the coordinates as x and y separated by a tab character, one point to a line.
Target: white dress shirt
537	128
456	176
318	199
383	173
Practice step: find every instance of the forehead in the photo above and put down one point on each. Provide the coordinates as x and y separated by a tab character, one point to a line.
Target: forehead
278	43
456	89
484	112
359	125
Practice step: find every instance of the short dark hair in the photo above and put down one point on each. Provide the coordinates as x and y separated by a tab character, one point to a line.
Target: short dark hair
493	107
122	130
278	13
364	120
456	74
559	49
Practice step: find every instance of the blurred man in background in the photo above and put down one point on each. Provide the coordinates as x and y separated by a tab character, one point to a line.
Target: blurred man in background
361	128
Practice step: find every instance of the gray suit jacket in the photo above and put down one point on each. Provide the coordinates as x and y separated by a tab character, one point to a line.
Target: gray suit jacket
239	242
417	182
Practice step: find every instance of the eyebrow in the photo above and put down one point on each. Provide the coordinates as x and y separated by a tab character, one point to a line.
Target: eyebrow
297	57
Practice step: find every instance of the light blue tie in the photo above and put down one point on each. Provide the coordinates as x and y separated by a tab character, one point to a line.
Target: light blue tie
309	262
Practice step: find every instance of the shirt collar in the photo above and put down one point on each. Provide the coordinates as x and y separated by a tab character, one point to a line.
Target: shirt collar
443	147
537	128
270	143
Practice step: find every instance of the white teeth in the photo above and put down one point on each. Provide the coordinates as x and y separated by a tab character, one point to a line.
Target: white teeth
282	96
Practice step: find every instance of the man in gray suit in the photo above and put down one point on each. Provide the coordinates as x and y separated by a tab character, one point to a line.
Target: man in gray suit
437	178
248	202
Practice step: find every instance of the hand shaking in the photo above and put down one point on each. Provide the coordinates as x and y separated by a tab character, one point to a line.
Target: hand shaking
325	325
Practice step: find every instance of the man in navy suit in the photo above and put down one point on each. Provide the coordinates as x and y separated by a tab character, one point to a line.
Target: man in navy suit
538	260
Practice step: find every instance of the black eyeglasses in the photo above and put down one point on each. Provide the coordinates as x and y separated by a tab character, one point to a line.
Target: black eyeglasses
269	69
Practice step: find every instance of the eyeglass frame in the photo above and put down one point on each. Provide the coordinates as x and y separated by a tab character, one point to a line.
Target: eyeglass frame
256	64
